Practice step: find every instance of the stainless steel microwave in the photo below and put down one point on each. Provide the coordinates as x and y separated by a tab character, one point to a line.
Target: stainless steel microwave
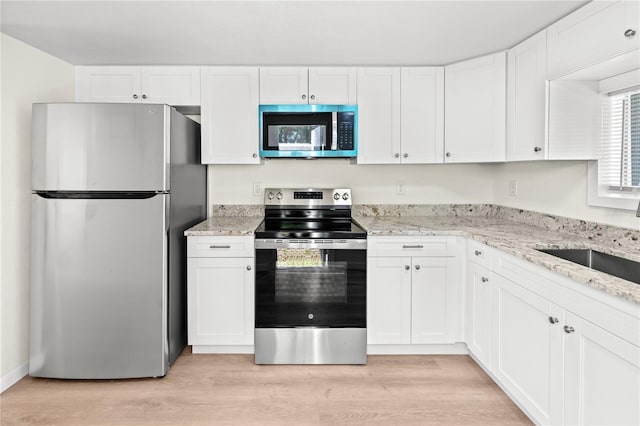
309	131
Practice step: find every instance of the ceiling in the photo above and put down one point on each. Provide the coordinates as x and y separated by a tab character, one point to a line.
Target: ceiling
276	32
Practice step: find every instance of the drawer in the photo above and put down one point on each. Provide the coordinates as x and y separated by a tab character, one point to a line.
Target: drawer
220	246
479	253
411	246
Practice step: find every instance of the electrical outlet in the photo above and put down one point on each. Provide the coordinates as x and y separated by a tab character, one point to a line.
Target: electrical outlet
513	188
257	188
400	189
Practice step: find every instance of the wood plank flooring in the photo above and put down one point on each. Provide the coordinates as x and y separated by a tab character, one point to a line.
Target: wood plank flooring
232	390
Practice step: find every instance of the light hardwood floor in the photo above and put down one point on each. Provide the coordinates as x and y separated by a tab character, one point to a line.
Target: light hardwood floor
232	390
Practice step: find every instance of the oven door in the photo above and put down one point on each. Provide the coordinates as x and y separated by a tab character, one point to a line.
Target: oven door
311	283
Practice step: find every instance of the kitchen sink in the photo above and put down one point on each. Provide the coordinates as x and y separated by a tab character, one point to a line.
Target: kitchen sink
609	264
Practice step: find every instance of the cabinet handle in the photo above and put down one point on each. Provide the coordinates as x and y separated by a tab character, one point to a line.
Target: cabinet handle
407	267
135	96
417	246
304	97
629	33
568	329
313	97
477	252
448	154
484	279
215	246
255	155
417	267
553	320
248	267
405	155
537	149
397	155
144	96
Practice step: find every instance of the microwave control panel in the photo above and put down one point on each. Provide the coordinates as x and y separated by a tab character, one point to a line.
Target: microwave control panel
345	130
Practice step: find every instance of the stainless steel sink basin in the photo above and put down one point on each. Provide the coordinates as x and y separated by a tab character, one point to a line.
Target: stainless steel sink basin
613	265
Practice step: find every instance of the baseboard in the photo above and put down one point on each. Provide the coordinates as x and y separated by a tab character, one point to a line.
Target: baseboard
13	376
435	349
221	349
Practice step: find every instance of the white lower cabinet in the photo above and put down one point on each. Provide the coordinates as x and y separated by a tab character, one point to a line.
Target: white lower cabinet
601	376
478	318
565	353
220	297
526	348
412	299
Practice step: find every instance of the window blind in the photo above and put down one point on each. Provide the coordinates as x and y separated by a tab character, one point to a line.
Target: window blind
619	157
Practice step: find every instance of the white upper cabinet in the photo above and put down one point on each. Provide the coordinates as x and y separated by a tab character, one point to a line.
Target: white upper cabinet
526	99
229	115
594	33
302	85
421	115
475	110
173	85
378	115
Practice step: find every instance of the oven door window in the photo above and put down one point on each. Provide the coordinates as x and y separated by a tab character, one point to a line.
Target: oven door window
310	287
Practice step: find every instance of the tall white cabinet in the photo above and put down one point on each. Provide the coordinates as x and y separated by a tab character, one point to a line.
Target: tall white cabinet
229	115
475	110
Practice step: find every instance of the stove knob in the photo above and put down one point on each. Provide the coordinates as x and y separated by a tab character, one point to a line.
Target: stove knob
270	195
336	196
279	195
345	196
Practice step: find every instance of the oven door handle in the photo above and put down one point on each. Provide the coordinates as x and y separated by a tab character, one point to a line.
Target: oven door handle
349	244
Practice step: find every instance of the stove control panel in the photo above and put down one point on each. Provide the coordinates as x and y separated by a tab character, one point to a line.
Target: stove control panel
306	197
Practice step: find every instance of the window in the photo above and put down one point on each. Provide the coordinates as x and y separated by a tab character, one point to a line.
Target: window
618	166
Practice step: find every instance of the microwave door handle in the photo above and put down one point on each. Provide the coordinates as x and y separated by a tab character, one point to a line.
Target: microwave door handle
334	130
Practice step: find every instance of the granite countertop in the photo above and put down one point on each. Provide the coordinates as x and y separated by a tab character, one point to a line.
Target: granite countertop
225	226
518	239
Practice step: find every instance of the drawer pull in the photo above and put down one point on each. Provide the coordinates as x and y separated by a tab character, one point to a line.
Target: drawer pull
416	246
216	246
478	253
484	279
568	329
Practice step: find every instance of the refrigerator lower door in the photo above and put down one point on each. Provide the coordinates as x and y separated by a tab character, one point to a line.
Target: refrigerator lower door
99	288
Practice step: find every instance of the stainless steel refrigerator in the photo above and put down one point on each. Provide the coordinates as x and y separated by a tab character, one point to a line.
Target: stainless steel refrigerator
114	187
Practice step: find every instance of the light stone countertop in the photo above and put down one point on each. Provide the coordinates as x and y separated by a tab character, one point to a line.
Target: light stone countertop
216	226
518	239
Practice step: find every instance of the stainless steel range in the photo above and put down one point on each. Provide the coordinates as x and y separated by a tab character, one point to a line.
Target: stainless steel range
311	266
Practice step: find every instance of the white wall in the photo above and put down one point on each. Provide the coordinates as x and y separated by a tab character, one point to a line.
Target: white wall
27	75
371	184
555	187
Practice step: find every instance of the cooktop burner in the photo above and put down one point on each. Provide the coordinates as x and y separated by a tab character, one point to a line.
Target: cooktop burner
308	213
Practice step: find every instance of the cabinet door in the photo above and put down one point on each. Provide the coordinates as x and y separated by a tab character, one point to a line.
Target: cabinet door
478	313
602	376
220	301
283	85
592	34
475	110
526	98
389	300
229	115
332	85
107	84
433	301
527	349
378	115
422	114
173	85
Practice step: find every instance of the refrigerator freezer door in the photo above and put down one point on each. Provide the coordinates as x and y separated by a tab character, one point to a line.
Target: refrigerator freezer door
100	147
98	288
